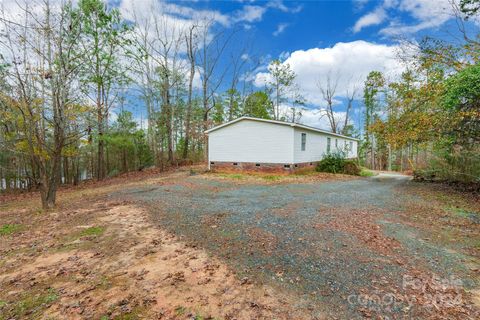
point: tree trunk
(66, 172)
(101, 142)
(191, 58)
(389, 158)
(372, 154)
(189, 111)
(124, 162)
(75, 172)
(168, 120)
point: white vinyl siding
(265, 142)
(316, 146)
(251, 141)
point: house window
(328, 145)
(304, 141)
(336, 143)
(351, 146)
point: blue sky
(341, 39)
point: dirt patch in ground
(105, 259)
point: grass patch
(8, 229)
(32, 305)
(271, 178)
(255, 175)
(128, 316)
(74, 241)
(465, 214)
(236, 176)
(180, 310)
(364, 172)
(104, 283)
(135, 314)
(459, 212)
(228, 234)
(92, 231)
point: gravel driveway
(351, 248)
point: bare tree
(463, 12)
(328, 89)
(213, 45)
(191, 46)
(159, 40)
(351, 95)
(166, 47)
(142, 68)
(238, 61)
(297, 104)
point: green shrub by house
(351, 167)
(336, 163)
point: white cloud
(370, 19)
(352, 61)
(425, 14)
(284, 55)
(14, 10)
(359, 4)
(177, 14)
(312, 117)
(315, 119)
(280, 28)
(250, 13)
(279, 5)
(254, 13)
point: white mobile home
(253, 143)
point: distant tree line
(429, 119)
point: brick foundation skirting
(260, 167)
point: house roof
(283, 123)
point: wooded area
(429, 120)
(65, 69)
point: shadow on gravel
(331, 242)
